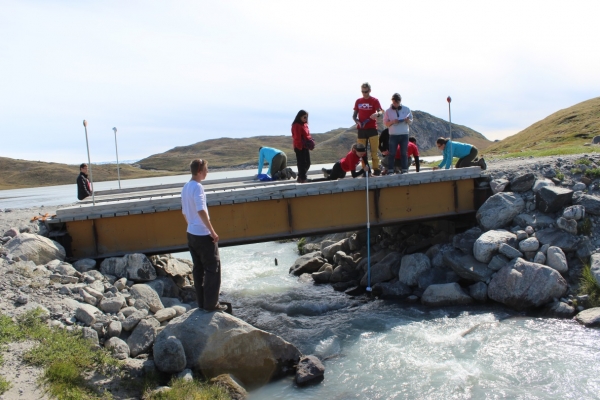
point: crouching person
(347, 164)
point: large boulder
(488, 244)
(142, 337)
(384, 270)
(392, 290)
(169, 355)
(465, 241)
(556, 259)
(136, 267)
(169, 265)
(215, 343)
(36, 248)
(411, 267)
(141, 291)
(522, 183)
(310, 370)
(595, 267)
(448, 294)
(329, 251)
(589, 202)
(522, 285)
(307, 264)
(589, 317)
(499, 210)
(467, 267)
(119, 348)
(552, 198)
(556, 237)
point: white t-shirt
(193, 200)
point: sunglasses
(365, 91)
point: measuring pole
(368, 234)
(89, 162)
(117, 150)
(449, 99)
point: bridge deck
(149, 220)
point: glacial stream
(387, 350)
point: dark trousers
(207, 270)
(467, 161)
(303, 159)
(278, 163)
(336, 172)
(401, 140)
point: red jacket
(351, 160)
(300, 132)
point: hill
(331, 146)
(564, 132)
(22, 174)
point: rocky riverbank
(526, 250)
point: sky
(169, 74)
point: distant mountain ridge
(331, 145)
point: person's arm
(261, 161)
(409, 118)
(417, 163)
(355, 118)
(204, 217)
(82, 181)
(387, 121)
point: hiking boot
(219, 307)
(325, 173)
(299, 180)
(482, 164)
(376, 172)
(292, 173)
(404, 171)
(384, 171)
(275, 176)
(285, 174)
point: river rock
(329, 251)
(556, 259)
(310, 370)
(392, 290)
(84, 265)
(165, 314)
(591, 203)
(498, 261)
(551, 198)
(36, 248)
(576, 212)
(234, 389)
(448, 294)
(119, 348)
(136, 267)
(498, 185)
(478, 291)
(467, 266)
(143, 336)
(530, 244)
(465, 241)
(558, 309)
(522, 284)
(172, 266)
(66, 269)
(112, 305)
(535, 221)
(589, 317)
(595, 267)
(585, 248)
(384, 270)
(435, 276)
(499, 210)
(324, 274)
(411, 267)
(307, 264)
(90, 335)
(540, 258)
(114, 329)
(488, 244)
(216, 343)
(132, 320)
(345, 273)
(509, 251)
(86, 313)
(556, 237)
(148, 295)
(540, 183)
(567, 225)
(169, 355)
(522, 183)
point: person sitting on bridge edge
(84, 187)
(465, 152)
(357, 153)
(202, 240)
(413, 152)
(277, 163)
(301, 135)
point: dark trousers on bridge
(467, 161)
(303, 162)
(207, 270)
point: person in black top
(84, 187)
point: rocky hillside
(331, 146)
(566, 130)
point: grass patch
(301, 244)
(589, 286)
(593, 173)
(575, 171)
(4, 385)
(583, 161)
(559, 175)
(64, 356)
(189, 390)
(585, 227)
(558, 151)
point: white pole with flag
(87, 143)
(449, 99)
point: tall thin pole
(368, 236)
(449, 99)
(87, 143)
(117, 150)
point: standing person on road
(202, 240)
(84, 187)
(397, 118)
(366, 111)
(301, 134)
(465, 152)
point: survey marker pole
(117, 150)
(449, 99)
(89, 162)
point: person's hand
(214, 236)
(374, 116)
(385, 153)
(407, 120)
(434, 168)
(358, 125)
(395, 121)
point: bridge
(149, 219)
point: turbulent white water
(386, 350)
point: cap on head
(397, 97)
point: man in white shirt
(397, 119)
(202, 239)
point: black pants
(467, 161)
(207, 270)
(336, 172)
(303, 159)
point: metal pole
(368, 234)
(89, 162)
(117, 150)
(449, 99)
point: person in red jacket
(357, 153)
(301, 133)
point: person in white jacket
(397, 119)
